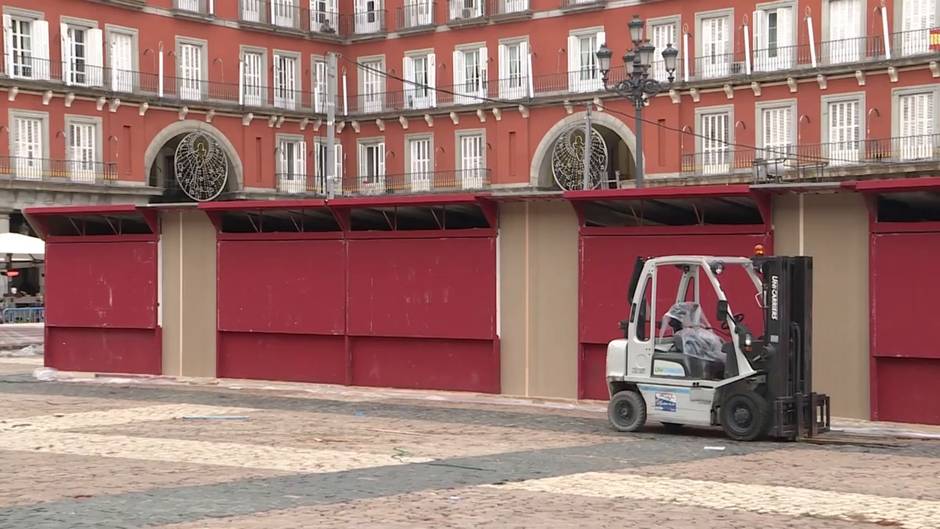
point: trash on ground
(216, 417)
(45, 374)
(716, 448)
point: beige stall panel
(833, 229)
(538, 267)
(189, 300)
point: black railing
(365, 23)
(579, 4)
(59, 171)
(500, 8)
(416, 15)
(462, 11)
(200, 7)
(418, 182)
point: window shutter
(66, 44)
(94, 53)
(595, 74)
(283, 159)
(338, 161)
(300, 158)
(460, 75)
(241, 81)
(408, 67)
(8, 45)
(484, 72)
(380, 170)
(574, 61)
(524, 61)
(785, 37)
(432, 78)
(273, 6)
(41, 48)
(502, 73)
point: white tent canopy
(22, 247)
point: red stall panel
(905, 339)
(101, 284)
(606, 267)
(100, 350)
(272, 356)
(293, 286)
(438, 288)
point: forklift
(689, 374)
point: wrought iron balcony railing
(415, 15)
(58, 171)
(418, 182)
(465, 11)
(506, 8)
(199, 7)
(291, 15)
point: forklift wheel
(627, 411)
(745, 416)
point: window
(320, 158)
(82, 55)
(82, 151)
(190, 71)
(292, 164)
(285, 81)
(845, 42)
(368, 17)
(776, 130)
(471, 159)
(469, 74)
(514, 69)
(420, 75)
(715, 46)
(26, 47)
(662, 34)
(371, 85)
(188, 5)
(417, 13)
(372, 166)
(324, 16)
(515, 6)
(773, 39)
(715, 151)
(916, 125)
(843, 131)
(251, 10)
(122, 51)
(28, 133)
(320, 88)
(285, 13)
(420, 165)
(917, 19)
(466, 9)
(253, 78)
(582, 61)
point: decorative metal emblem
(568, 159)
(201, 167)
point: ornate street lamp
(636, 84)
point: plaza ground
(120, 453)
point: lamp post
(636, 84)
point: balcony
(464, 12)
(289, 15)
(57, 171)
(416, 17)
(365, 23)
(499, 10)
(816, 160)
(420, 182)
(582, 5)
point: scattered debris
(23, 352)
(45, 374)
(715, 448)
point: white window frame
(714, 63)
(285, 13)
(291, 163)
(471, 169)
(319, 79)
(286, 93)
(251, 11)
(372, 84)
(418, 13)
(84, 162)
(19, 62)
(658, 68)
(513, 82)
(253, 92)
(465, 9)
(584, 77)
(189, 88)
(324, 16)
(319, 169)
(373, 183)
(839, 150)
(912, 37)
(781, 150)
(419, 96)
(470, 91)
(843, 42)
(33, 167)
(779, 54)
(921, 146)
(88, 69)
(367, 16)
(420, 171)
(122, 79)
(713, 158)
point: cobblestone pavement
(83, 454)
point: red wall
(101, 308)
(905, 338)
(603, 303)
(402, 312)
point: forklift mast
(788, 347)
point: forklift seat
(694, 367)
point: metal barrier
(24, 315)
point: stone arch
(190, 125)
(598, 119)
